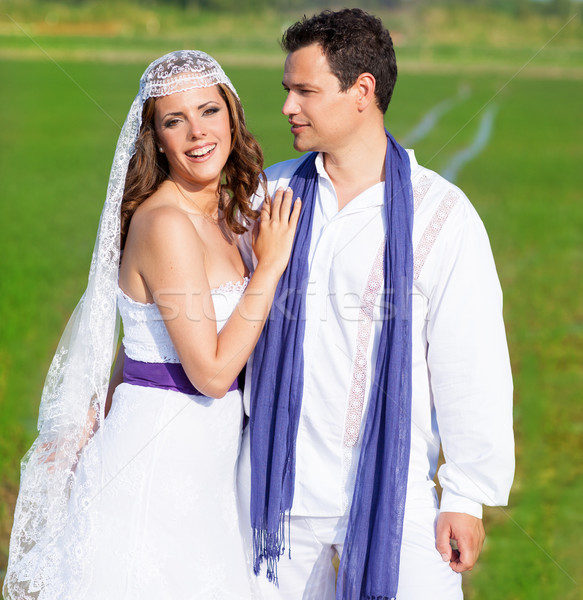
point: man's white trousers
(315, 541)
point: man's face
(321, 116)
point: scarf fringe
(269, 547)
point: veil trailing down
(106, 506)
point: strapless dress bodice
(146, 338)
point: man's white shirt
(462, 383)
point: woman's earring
(161, 149)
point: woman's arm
(116, 378)
(172, 265)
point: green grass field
(58, 128)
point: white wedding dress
(165, 525)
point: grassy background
(59, 120)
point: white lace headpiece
(52, 503)
(181, 71)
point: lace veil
(52, 502)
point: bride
(137, 500)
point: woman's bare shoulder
(160, 219)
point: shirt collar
(363, 201)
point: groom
(385, 342)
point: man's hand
(468, 533)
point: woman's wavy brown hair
(242, 173)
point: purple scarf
(369, 568)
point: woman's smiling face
(194, 130)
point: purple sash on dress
(164, 376)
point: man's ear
(364, 87)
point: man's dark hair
(353, 42)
